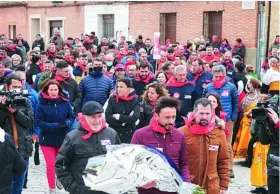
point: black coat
(146, 114)
(39, 44)
(126, 124)
(266, 139)
(239, 76)
(74, 154)
(24, 117)
(11, 163)
(33, 70)
(140, 86)
(240, 51)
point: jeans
(18, 180)
(50, 154)
(273, 184)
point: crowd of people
(194, 104)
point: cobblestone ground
(37, 181)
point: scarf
(51, 55)
(85, 125)
(41, 67)
(174, 83)
(171, 58)
(12, 47)
(46, 96)
(239, 44)
(59, 78)
(156, 126)
(146, 80)
(197, 129)
(218, 84)
(83, 68)
(129, 98)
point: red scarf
(156, 127)
(174, 83)
(85, 125)
(129, 98)
(12, 47)
(50, 55)
(239, 44)
(107, 74)
(128, 63)
(218, 84)
(211, 58)
(121, 56)
(160, 63)
(59, 78)
(41, 67)
(197, 129)
(171, 58)
(83, 67)
(46, 96)
(146, 80)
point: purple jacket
(223, 48)
(173, 145)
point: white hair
(180, 68)
(219, 68)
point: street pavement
(37, 179)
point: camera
(13, 96)
(260, 113)
(273, 161)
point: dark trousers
(273, 184)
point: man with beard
(210, 57)
(207, 149)
(143, 78)
(199, 76)
(228, 64)
(229, 101)
(131, 52)
(4, 58)
(162, 134)
(57, 39)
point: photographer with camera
(267, 120)
(17, 118)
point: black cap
(92, 108)
(131, 46)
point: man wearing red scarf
(212, 150)
(90, 139)
(210, 57)
(143, 78)
(199, 76)
(228, 64)
(161, 61)
(179, 87)
(80, 67)
(12, 49)
(162, 134)
(229, 101)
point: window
(168, 27)
(212, 24)
(12, 31)
(108, 26)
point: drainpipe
(260, 48)
(268, 27)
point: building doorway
(56, 25)
(12, 31)
(212, 24)
(168, 23)
(35, 28)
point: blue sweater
(201, 82)
(229, 98)
(96, 87)
(49, 113)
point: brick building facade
(235, 22)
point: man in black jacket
(79, 145)
(11, 162)
(273, 139)
(16, 119)
(24, 42)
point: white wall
(93, 21)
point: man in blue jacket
(180, 88)
(200, 77)
(229, 99)
(96, 86)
